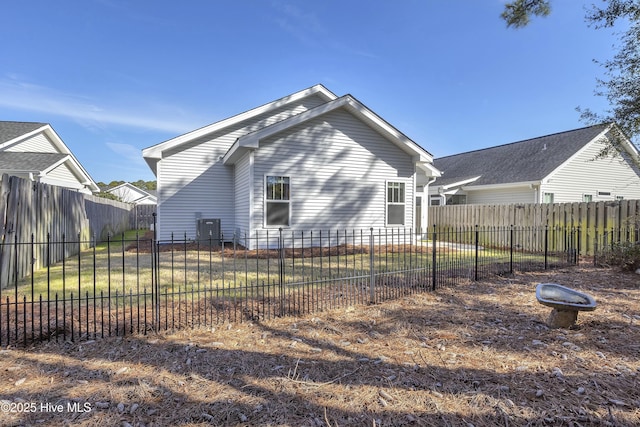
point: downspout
(425, 214)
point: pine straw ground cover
(479, 354)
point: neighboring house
(559, 168)
(308, 161)
(129, 193)
(34, 151)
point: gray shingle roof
(11, 130)
(19, 161)
(523, 161)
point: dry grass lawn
(479, 354)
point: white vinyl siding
(243, 192)
(192, 178)
(501, 196)
(38, 143)
(584, 174)
(62, 173)
(340, 167)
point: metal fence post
(372, 272)
(155, 282)
(477, 237)
(546, 246)
(281, 270)
(511, 250)
(433, 259)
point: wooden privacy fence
(594, 221)
(39, 212)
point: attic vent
(544, 147)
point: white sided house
(34, 151)
(129, 193)
(559, 168)
(308, 161)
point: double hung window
(395, 203)
(278, 201)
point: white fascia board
(126, 184)
(155, 152)
(57, 141)
(626, 143)
(577, 153)
(24, 136)
(500, 186)
(56, 164)
(131, 187)
(86, 179)
(460, 183)
(252, 140)
(393, 134)
(429, 169)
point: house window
(395, 203)
(604, 193)
(278, 201)
(587, 197)
(457, 199)
(619, 197)
(548, 198)
(435, 200)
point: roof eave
(155, 152)
(529, 184)
(429, 169)
(252, 141)
(25, 136)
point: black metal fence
(133, 284)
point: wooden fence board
(593, 219)
(39, 212)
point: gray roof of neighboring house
(19, 161)
(11, 130)
(524, 161)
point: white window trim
(265, 201)
(439, 197)
(407, 195)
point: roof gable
(10, 131)
(154, 153)
(13, 134)
(131, 194)
(524, 161)
(252, 140)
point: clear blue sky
(115, 76)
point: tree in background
(518, 13)
(621, 88)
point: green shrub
(624, 255)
